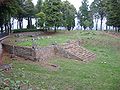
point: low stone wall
(24, 52)
(41, 53)
(8, 48)
(71, 50)
(36, 54)
(61, 50)
(28, 34)
(45, 53)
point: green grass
(100, 74)
(60, 37)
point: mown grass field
(100, 74)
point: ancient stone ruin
(71, 50)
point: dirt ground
(8, 59)
(113, 34)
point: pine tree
(113, 13)
(84, 15)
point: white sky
(76, 3)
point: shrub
(26, 30)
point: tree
(20, 13)
(94, 9)
(98, 9)
(91, 22)
(41, 19)
(113, 13)
(39, 6)
(7, 9)
(84, 15)
(69, 12)
(29, 12)
(101, 12)
(52, 10)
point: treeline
(98, 10)
(48, 14)
(51, 14)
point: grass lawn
(100, 74)
(59, 37)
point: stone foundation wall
(38, 53)
(63, 53)
(71, 50)
(24, 52)
(45, 53)
(8, 48)
(61, 50)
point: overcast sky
(76, 3)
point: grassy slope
(100, 74)
(59, 37)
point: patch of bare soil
(113, 34)
(8, 59)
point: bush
(31, 27)
(26, 30)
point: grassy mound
(100, 74)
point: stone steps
(79, 52)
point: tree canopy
(113, 13)
(56, 13)
(69, 12)
(84, 15)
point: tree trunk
(101, 23)
(106, 27)
(113, 28)
(118, 29)
(55, 29)
(17, 25)
(29, 23)
(96, 21)
(5, 27)
(20, 24)
(84, 27)
(10, 29)
(109, 27)
(96, 26)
